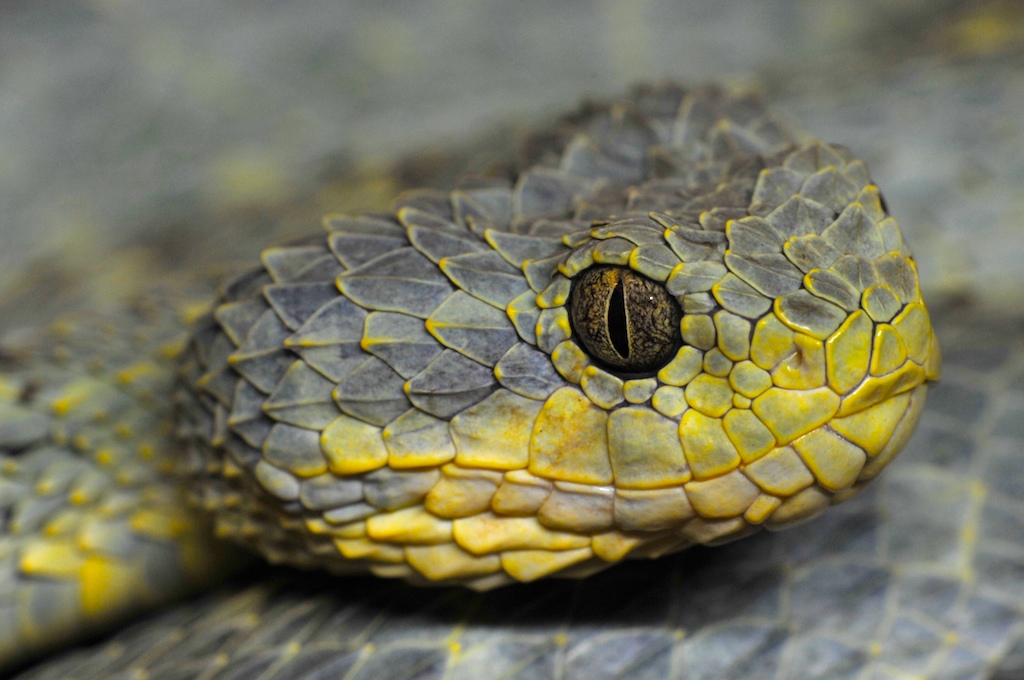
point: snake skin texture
(342, 403)
(917, 577)
(94, 525)
(407, 394)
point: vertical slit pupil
(617, 331)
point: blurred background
(137, 135)
(139, 138)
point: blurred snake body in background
(674, 323)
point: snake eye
(624, 319)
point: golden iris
(624, 319)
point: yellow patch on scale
(780, 472)
(914, 327)
(613, 546)
(52, 558)
(462, 492)
(749, 380)
(684, 367)
(495, 433)
(644, 450)
(761, 509)
(139, 372)
(791, 413)
(750, 436)
(804, 369)
(722, 497)
(872, 428)
(707, 447)
(412, 525)
(352, 446)
(773, 342)
(109, 586)
(710, 395)
(889, 352)
(569, 441)
(449, 561)
(848, 352)
(530, 565)
(364, 548)
(877, 389)
(833, 461)
(158, 523)
(489, 533)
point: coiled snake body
(675, 325)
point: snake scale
(674, 324)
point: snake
(673, 322)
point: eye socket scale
(624, 319)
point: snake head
(687, 328)
(797, 368)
